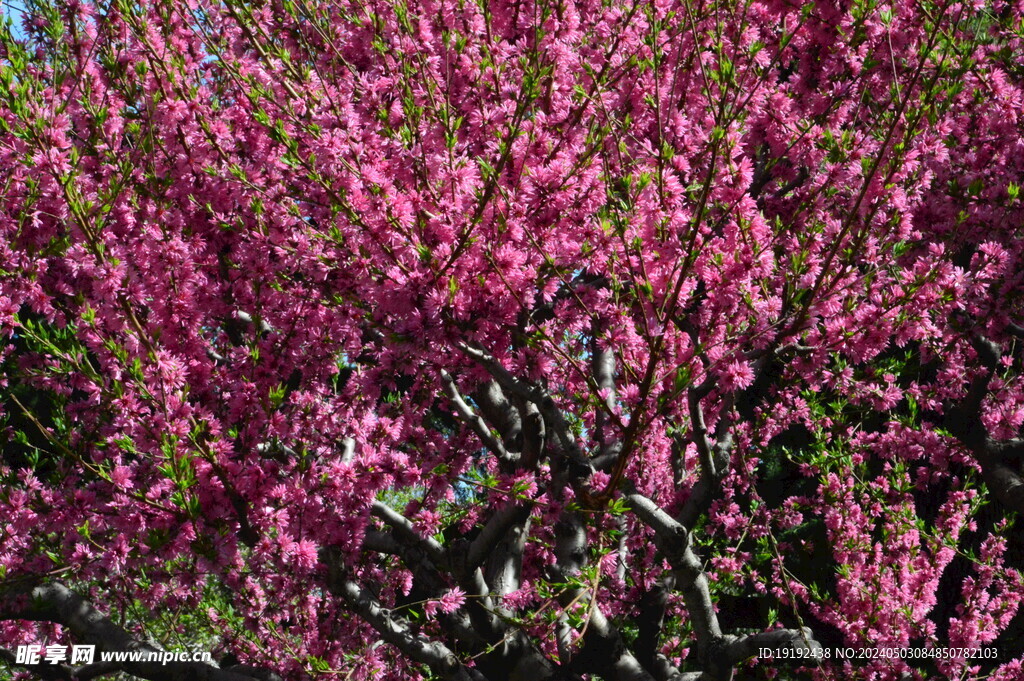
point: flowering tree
(513, 339)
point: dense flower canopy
(514, 339)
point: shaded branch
(673, 539)
(55, 603)
(404, 531)
(746, 647)
(397, 632)
(649, 621)
(381, 542)
(496, 530)
(474, 421)
(705, 447)
(999, 460)
(602, 364)
(580, 468)
(717, 653)
(505, 563)
(500, 413)
(534, 435)
(714, 456)
(604, 651)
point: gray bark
(54, 602)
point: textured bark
(56, 603)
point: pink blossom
(451, 601)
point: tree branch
(717, 653)
(746, 647)
(404, 531)
(501, 413)
(673, 539)
(493, 533)
(472, 419)
(604, 651)
(56, 603)
(580, 466)
(603, 367)
(965, 423)
(397, 632)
